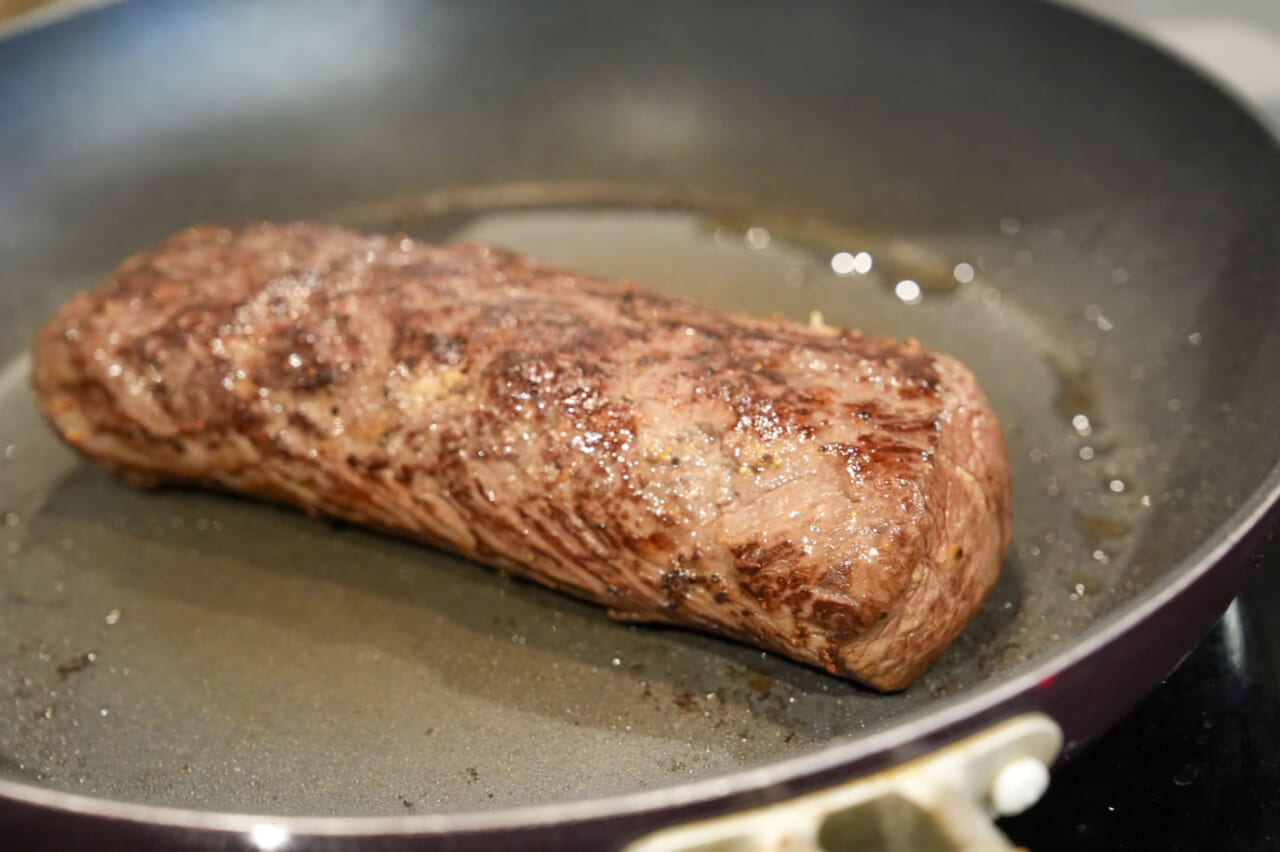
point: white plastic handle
(943, 802)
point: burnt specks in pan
(685, 701)
(77, 664)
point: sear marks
(806, 490)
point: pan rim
(846, 760)
(1104, 16)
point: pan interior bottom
(203, 651)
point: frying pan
(1089, 225)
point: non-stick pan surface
(1089, 226)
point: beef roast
(838, 498)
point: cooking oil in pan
(198, 650)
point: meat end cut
(838, 498)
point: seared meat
(837, 498)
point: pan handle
(943, 802)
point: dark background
(1197, 765)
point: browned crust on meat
(837, 498)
